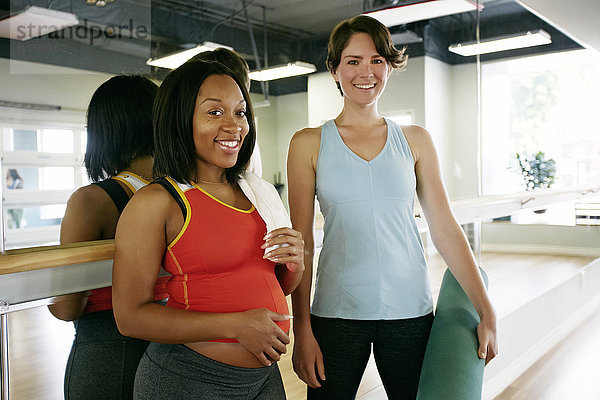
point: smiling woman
(372, 282)
(223, 235)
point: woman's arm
(449, 238)
(89, 212)
(147, 222)
(302, 159)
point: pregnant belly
(227, 353)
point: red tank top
(216, 260)
(101, 299)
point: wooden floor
(569, 371)
(39, 343)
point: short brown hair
(379, 33)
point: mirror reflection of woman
(118, 159)
(372, 284)
(14, 216)
(215, 228)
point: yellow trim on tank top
(188, 213)
(219, 201)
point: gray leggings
(102, 362)
(174, 371)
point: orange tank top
(216, 261)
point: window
(544, 103)
(42, 166)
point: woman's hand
(308, 360)
(285, 246)
(488, 346)
(260, 335)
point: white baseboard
(509, 374)
(541, 249)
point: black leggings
(398, 347)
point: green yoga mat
(451, 368)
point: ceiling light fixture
(282, 71)
(421, 11)
(502, 43)
(174, 60)
(35, 21)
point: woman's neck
(358, 115)
(209, 173)
(142, 166)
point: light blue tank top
(372, 265)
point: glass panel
(52, 211)
(34, 216)
(83, 141)
(24, 140)
(57, 178)
(57, 141)
(22, 178)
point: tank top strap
(133, 181)
(398, 139)
(176, 190)
(117, 194)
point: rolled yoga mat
(451, 368)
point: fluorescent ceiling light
(509, 42)
(174, 60)
(421, 11)
(35, 21)
(282, 71)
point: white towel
(266, 200)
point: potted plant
(538, 171)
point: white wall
(292, 115)
(276, 125)
(266, 133)
(438, 110)
(462, 180)
(28, 82)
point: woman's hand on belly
(257, 331)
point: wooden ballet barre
(34, 258)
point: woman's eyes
(241, 113)
(374, 61)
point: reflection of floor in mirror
(39, 343)
(39, 347)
